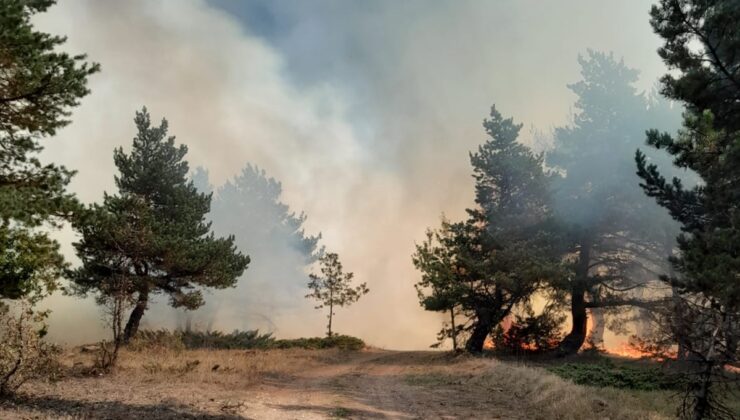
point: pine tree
(615, 234)
(153, 233)
(333, 287)
(252, 202)
(38, 87)
(251, 206)
(439, 289)
(702, 45)
(488, 265)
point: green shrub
(252, 339)
(342, 342)
(529, 333)
(608, 374)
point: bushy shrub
(252, 339)
(606, 373)
(529, 333)
(24, 355)
(341, 342)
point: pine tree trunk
(577, 335)
(454, 329)
(331, 312)
(579, 316)
(331, 309)
(701, 397)
(132, 326)
(483, 326)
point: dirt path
(380, 384)
(368, 384)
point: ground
(316, 384)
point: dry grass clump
(24, 355)
(543, 395)
(221, 367)
(551, 397)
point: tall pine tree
(614, 232)
(38, 87)
(702, 45)
(153, 233)
(488, 265)
(251, 206)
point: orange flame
(630, 351)
(488, 344)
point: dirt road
(366, 384)
(382, 385)
(317, 384)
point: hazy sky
(365, 110)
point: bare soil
(288, 384)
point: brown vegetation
(292, 383)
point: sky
(364, 110)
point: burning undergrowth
(527, 334)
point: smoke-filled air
(369, 209)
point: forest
(622, 223)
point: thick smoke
(273, 289)
(364, 110)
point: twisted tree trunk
(132, 326)
(483, 326)
(579, 316)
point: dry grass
(550, 397)
(543, 395)
(231, 368)
(290, 383)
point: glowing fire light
(630, 351)
(488, 344)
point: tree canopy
(251, 207)
(701, 40)
(38, 88)
(333, 287)
(617, 237)
(484, 267)
(153, 233)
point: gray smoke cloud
(365, 111)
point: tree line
(591, 225)
(596, 223)
(152, 236)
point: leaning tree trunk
(132, 326)
(598, 326)
(483, 326)
(579, 316)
